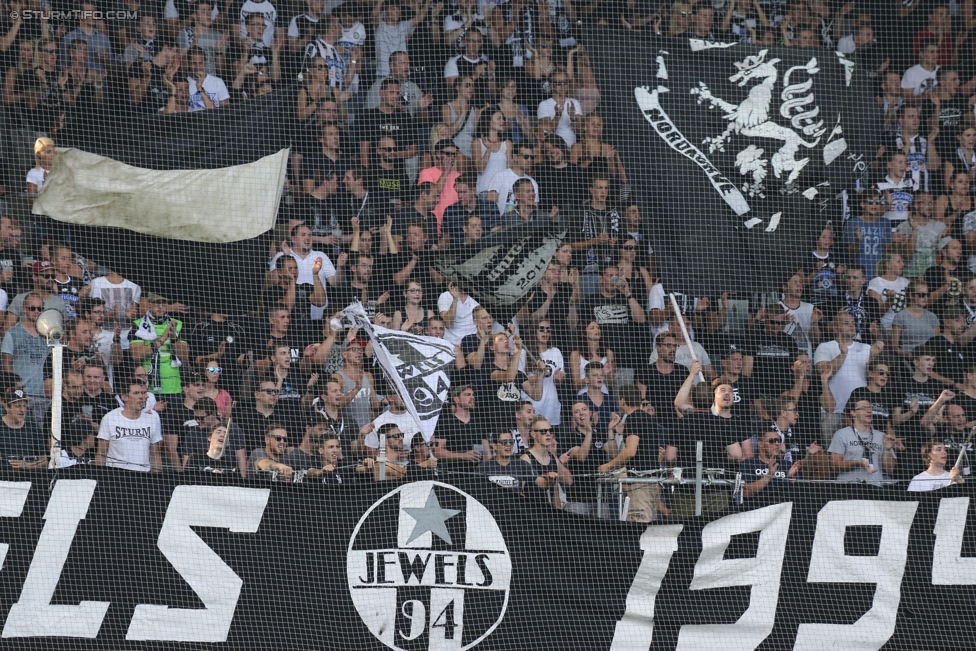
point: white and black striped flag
(416, 366)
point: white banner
(202, 205)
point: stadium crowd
(428, 124)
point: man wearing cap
(21, 442)
(23, 352)
(159, 348)
(129, 437)
(44, 286)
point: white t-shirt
(852, 374)
(36, 176)
(919, 79)
(213, 86)
(549, 406)
(270, 14)
(129, 440)
(923, 481)
(564, 129)
(504, 183)
(117, 299)
(451, 68)
(170, 10)
(803, 317)
(305, 274)
(463, 323)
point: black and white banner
(105, 559)
(502, 267)
(417, 366)
(196, 190)
(737, 151)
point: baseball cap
(42, 265)
(156, 298)
(13, 394)
(358, 341)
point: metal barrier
(669, 477)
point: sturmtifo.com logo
(428, 569)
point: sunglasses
(394, 436)
(386, 149)
(543, 328)
(879, 372)
(34, 308)
(506, 442)
(776, 440)
(279, 439)
(545, 430)
(214, 369)
(272, 392)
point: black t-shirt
(76, 425)
(69, 291)
(910, 460)
(590, 224)
(302, 325)
(390, 186)
(864, 309)
(584, 488)
(398, 125)
(345, 295)
(935, 278)
(156, 94)
(651, 438)
(100, 404)
(613, 316)
(773, 356)
(715, 433)
(25, 442)
(662, 389)
(459, 436)
(253, 423)
(952, 360)
(200, 462)
(558, 187)
(499, 399)
(206, 336)
(882, 405)
(12, 260)
(68, 357)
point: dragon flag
(735, 148)
(416, 366)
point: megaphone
(50, 325)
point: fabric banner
(219, 205)
(107, 559)
(733, 148)
(502, 267)
(243, 133)
(417, 366)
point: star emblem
(431, 518)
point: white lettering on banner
(227, 507)
(636, 628)
(33, 614)
(829, 564)
(948, 565)
(13, 495)
(762, 572)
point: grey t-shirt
(257, 454)
(925, 246)
(915, 331)
(852, 445)
(29, 353)
(298, 460)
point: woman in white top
(590, 349)
(44, 157)
(549, 405)
(887, 283)
(935, 476)
(490, 151)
